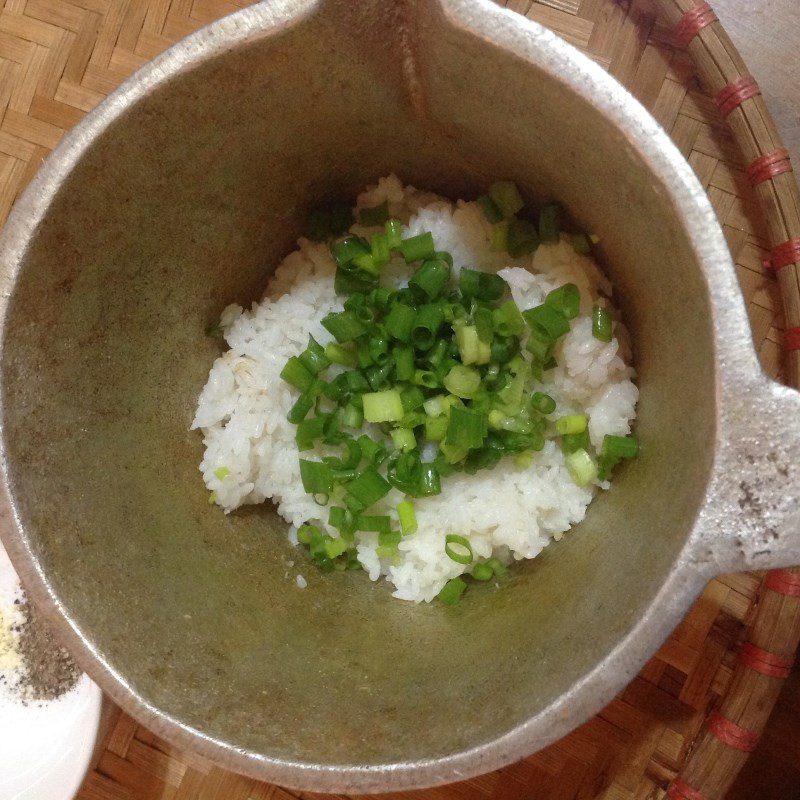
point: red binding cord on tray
(680, 790)
(731, 734)
(768, 166)
(784, 254)
(791, 341)
(780, 580)
(734, 94)
(692, 22)
(764, 662)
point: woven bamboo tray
(59, 58)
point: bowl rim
(579, 74)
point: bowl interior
(185, 204)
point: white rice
(506, 512)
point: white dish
(45, 748)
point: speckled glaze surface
(179, 195)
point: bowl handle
(752, 518)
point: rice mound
(506, 512)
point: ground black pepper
(47, 670)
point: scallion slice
(602, 324)
(385, 406)
(418, 248)
(462, 381)
(581, 466)
(344, 326)
(316, 477)
(407, 517)
(458, 548)
(506, 197)
(466, 428)
(573, 423)
(451, 592)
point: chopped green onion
(547, 320)
(426, 325)
(418, 248)
(404, 439)
(615, 448)
(522, 238)
(506, 197)
(484, 323)
(462, 381)
(346, 250)
(373, 524)
(352, 416)
(308, 431)
(334, 547)
(472, 349)
(303, 404)
(570, 442)
(426, 378)
(400, 322)
(366, 263)
(337, 354)
(386, 406)
(346, 283)
(394, 230)
(602, 324)
(523, 460)
(403, 362)
(619, 446)
(508, 320)
(574, 423)
(543, 403)
(451, 592)
(378, 349)
(498, 567)
(540, 345)
(373, 451)
(581, 244)
(458, 548)
(482, 572)
(467, 428)
(379, 245)
(486, 286)
(344, 326)
(367, 488)
(549, 226)
(431, 278)
(436, 428)
(407, 517)
(341, 519)
(490, 209)
(499, 239)
(378, 377)
(316, 477)
(437, 353)
(376, 215)
(567, 299)
(435, 406)
(581, 467)
(428, 483)
(295, 374)
(313, 358)
(220, 473)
